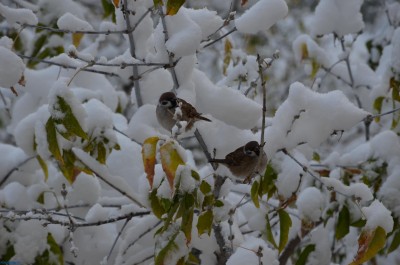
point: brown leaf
(243, 2)
(116, 3)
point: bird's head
(168, 100)
(252, 148)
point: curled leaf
(170, 160)
(149, 157)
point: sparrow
(245, 161)
(168, 116)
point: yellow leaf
(149, 157)
(173, 6)
(369, 244)
(228, 55)
(304, 51)
(76, 38)
(170, 160)
(116, 3)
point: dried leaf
(170, 160)
(149, 157)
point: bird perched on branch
(245, 161)
(171, 110)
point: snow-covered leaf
(254, 193)
(304, 255)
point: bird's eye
(249, 153)
(164, 103)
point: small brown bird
(167, 115)
(245, 161)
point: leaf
(68, 168)
(205, 187)
(76, 38)
(170, 160)
(204, 224)
(156, 205)
(52, 140)
(173, 6)
(101, 153)
(9, 253)
(285, 223)
(149, 149)
(378, 106)
(243, 2)
(187, 217)
(395, 243)
(267, 182)
(160, 256)
(116, 3)
(369, 244)
(69, 120)
(395, 86)
(343, 225)
(227, 55)
(304, 254)
(43, 165)
(158, 3)
(254, 194)
(316, 157)
(268, 231)
(304, 51)
(314, 68)
(40, 198)
(55, 249)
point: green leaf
(43, 165)
(395, 86)
(267, 182)
(268, 231)
(160, 256)
(316, 157)
(55, 249)
(156, 205)
(285, 223)
(69, 120)
(304, 254)
(218, 203)
(205, 188)
(173, 6)
(157, 3)
(40, 198)
(108, 8)
(378, 106)
(360, 223)
(68, 168)
(52, 140)
(395, 243)
(9, 253)
(254, 193)
(187, 216)
(205, 222)
(369, 244)
(343, 225)
(195, 175)
(37, 46)
(101, 153)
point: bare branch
(15, 168)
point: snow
(222, 103)
(18, 16)
(186, 182)
(184, 34)
(390, 190)
(73, 23)
(144, 123)
(289, 175)
(378, 215)
(261, 16)
(60, 90)
(314, 51)
(310, 117)
(310, 204)
(247, 253)
(395, 58)
(208, 21)
(337, 16)
(11, 69)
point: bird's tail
(203, 118)
(220, 161)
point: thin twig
(116, 239)
(140, 236)
(23, 162)
(170, 57)
(220, 38)
(135, 70)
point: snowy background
(89, 176)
